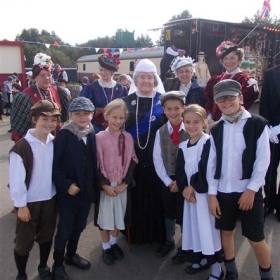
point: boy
(74, 172)
(238, 161)
(32, 189)
(168, 137)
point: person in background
(237, 165)
(167, 141)
(7, 95)
(75, 177)
(105, 89)
(201, 241)
(42, 89)
(144, 119)
(84, 83)
(32, 188)
(269, 109)
(230, 56)
(95, 77)
(63, 84)
(124, 80)
(116, 161)
(165, 63)
(184, 81)
(62, 74)
(29, 79)
(16, 77)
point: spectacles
(224, 98)
(44, 76)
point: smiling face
(145, 83)
(81, 118)
(194, 125)
(231, 62)
(115, 119)
(230, 107)
(173, 109)
(45, 124)
(185, 74)
(44, 79)
(105, 74)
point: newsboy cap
(174, 94)
(81, 104)
(227, 87)
(44, 107)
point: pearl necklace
(150, 122)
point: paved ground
(139, 263)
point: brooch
(133, 102)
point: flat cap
(227, 87)
(81, 104)
(45, 107)
(175, 94)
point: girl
(200, 238)
(116, 160)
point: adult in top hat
(144, 119)
(184, 69)
(104, 89)
(230, 56)
(41, 89)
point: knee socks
(21, 262)
(45, 249)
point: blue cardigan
(68, 168)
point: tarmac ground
(138, 264)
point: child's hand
(73, 189)
(173, 187)
(24, 214)
(246, 201)
(109, 190)
(189, 194)
(121, 188)
(214, 206)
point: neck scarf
(175, 134)
(75, 129)
(234, 118)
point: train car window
(84, 67)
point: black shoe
(164, 249)
(77, 261)
(10, 130)
(192, 270)
(117, 252)
(231, 276)
(58, 273)
(108, 256)
(45, 273)
(22, 277)
(217, 277)
(270, 278)
(278, 215)
(180, 257)
(7, 114)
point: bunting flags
(265, 10)
(113, 50)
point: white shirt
(157, 156)
(231, 171)
(41, 187)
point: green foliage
(274, 21)
(143, 41)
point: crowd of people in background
(150, 151)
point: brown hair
(240, 54)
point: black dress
(147, 220)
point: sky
(77, 22)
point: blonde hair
(116, 104)
(197, 109)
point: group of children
(199, 172)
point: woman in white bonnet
(184, 81)
(144, 119)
